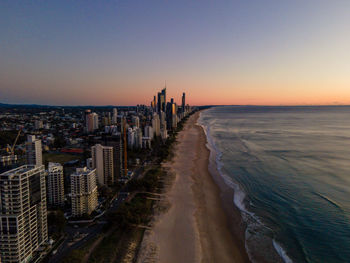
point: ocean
(290, 169)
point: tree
(74, 257)
(59, 142)
(106, 192)
(57, 221)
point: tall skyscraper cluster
(167, 114)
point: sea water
(290, 169)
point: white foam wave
(281, 252)
(239, 195)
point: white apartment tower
(131, 138)
(162, 118)
(23, 213)
(149, 131)
(33, 151)
(138, 138)
(102, 161)
(55, 185)
(156, 124)
(95, 121)
(83, 191)
(115, 116)
(91, 122)
(38, 124)
(135, 121)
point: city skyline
(222, 53)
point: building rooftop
(20, 170)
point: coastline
(243, 225)
(196, 227)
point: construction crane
(11, 149)
(125, 150)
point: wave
(281, 252)
(254, 224)
(329, 200)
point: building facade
(102, 161)
(156, 124)
(91, 119)
(33, 151)
(55, 185)
(23, 213)
(115, 116)
(83, 192)
(116, 141)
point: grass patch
(60, 157)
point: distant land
(24, 105)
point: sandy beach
(195, 228)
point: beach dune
(195, 228)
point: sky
(121, 52)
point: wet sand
(196, 227)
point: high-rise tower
(83, 191)
(161, 106)
(55, 185)
(23, 213)
(115, 116)
(33, 151)
(183, 102)
(102, 161)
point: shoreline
(260, 250)
(196, 227)
(237, 225)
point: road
(93, 230)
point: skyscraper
(83, 191)
(91, 121)
(23, 213)
(154, 103)
(116, 141)
(149, 132)
(33, 151)
(135, 121)
(95, 121)
(171, 114)
(55, 185)
(159, 103)
(115, 116)
(102, 161)
(38, 124)
(131, 138)
(156, 124)
(86, 116)
(183, 105)
(162, 117)
(161, 106)
(138, 138)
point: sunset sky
(219, 52)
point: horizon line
(204, 105)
